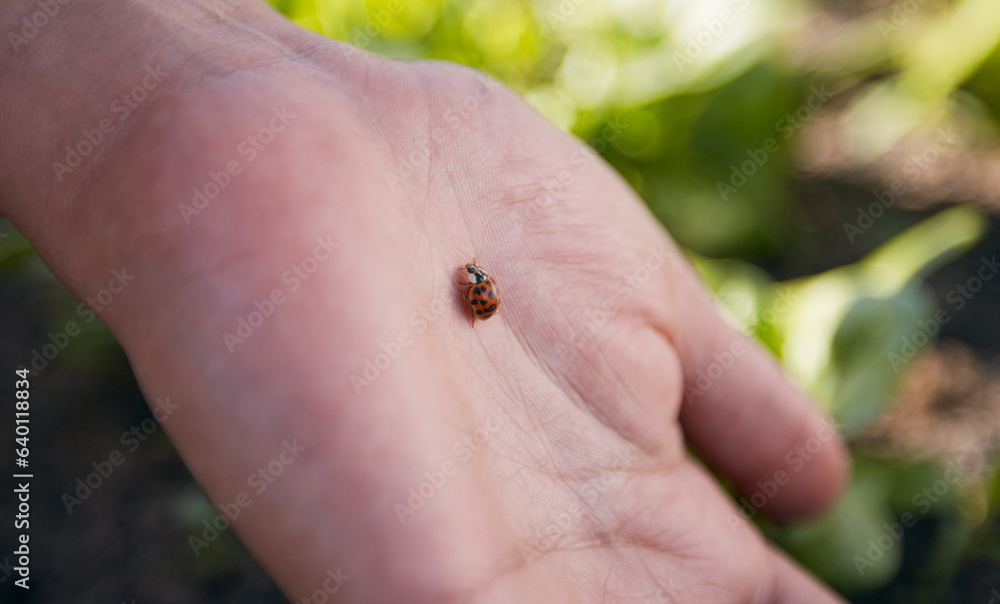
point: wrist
(87, 79)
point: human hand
(551, 438)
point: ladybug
(483, 294)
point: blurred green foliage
(843, 335)
(712, 98)
(701, 86)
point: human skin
(551, 437)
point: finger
(685, 513)
(750, 423)
(790, 584)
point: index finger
(751, 424)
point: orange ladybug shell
(483, 294)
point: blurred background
(830, 167)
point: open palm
(305, 214)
